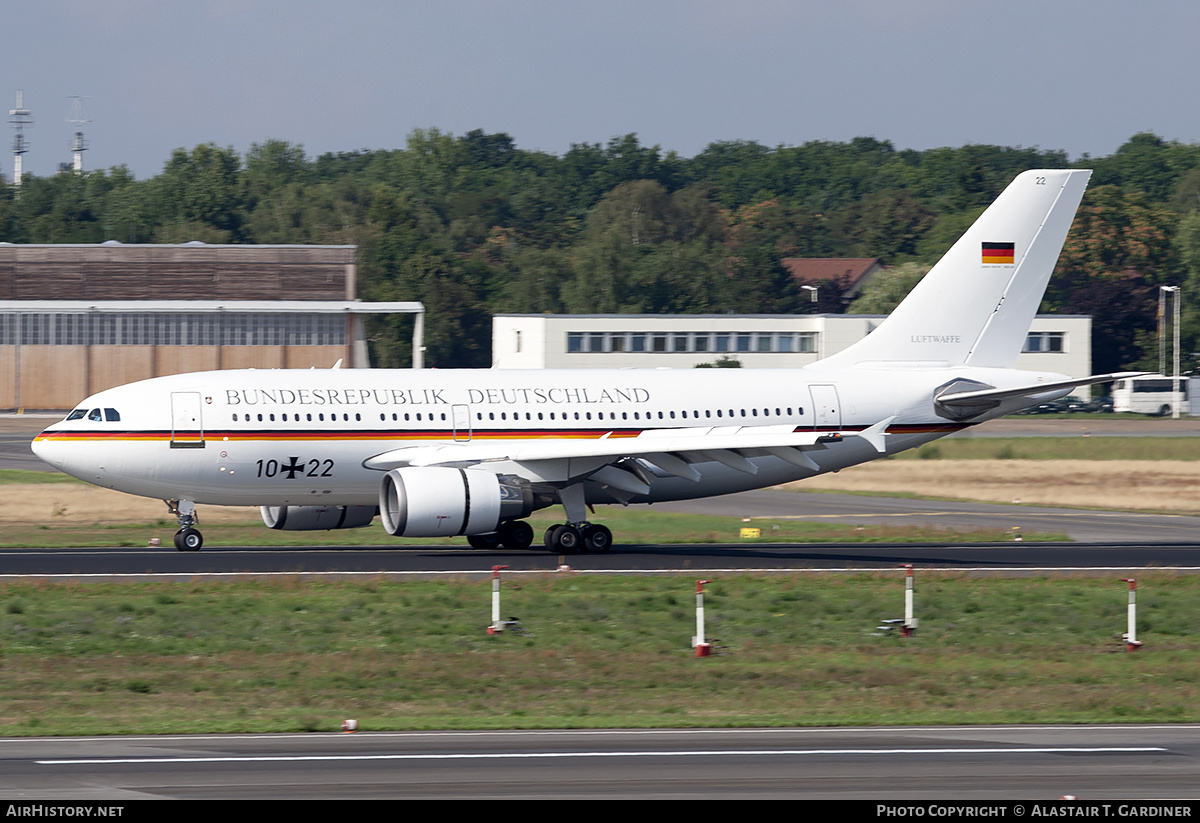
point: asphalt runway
(1011, 559)
(985, 763)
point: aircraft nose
(50, 451)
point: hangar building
(77, 319)
(1056, 342)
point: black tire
(562, 539)
(188, 540)
(491, 540)
(597, 538)
(567, 540)
(516, 535)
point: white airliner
(474, 452)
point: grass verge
(1057, 448)
(795, 650)
(635, 526)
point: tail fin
(976, 305)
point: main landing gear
(564, 538)
(569, 538)
(512, 534)
(577, 535)
(188, 538)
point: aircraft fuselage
(300, 437)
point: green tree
(888, 225)
(1143, 164)
(626, 224)
(887, 288)
(759, 284)
(199, 196)
(1119, 250)
(1187, 243)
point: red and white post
(703, 649)
(910, 623)
(1132, 644)
(497, 626)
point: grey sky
(1078, 76)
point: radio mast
(77, 118)
(19, 118)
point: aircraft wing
(671, 450)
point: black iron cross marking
(292, 467)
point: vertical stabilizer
(976, 305)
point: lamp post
(1163, 291)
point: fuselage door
(187, 424)
(462, 422)
(827, 412)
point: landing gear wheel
(188, 540)
(597, 538)
(563, 539)
(516, 535)
(491, 540)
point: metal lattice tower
(78, 117)
(19, 118)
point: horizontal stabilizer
(1036, 388)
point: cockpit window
(77, 414)
(94, 414)
(111, 415)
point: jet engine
(314, 518)
(437, 501)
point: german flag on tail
(998, 254)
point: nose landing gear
(188, 538)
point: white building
(1057, 343)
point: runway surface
(1031, 763)
(216, 562)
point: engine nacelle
(314, 518)
(437, 501)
